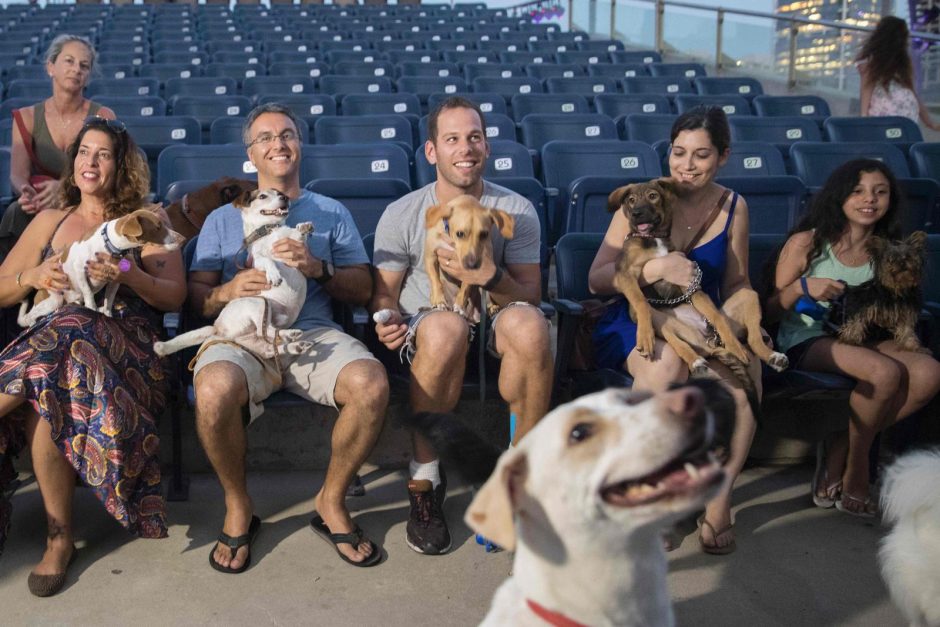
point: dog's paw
(298, 348)
(457, 309)
(275, 279)
(441, 306)
(160, 349)
(737, 349)
(645, 341)
(291, 335)
(700, 370)
(778, 361)
(305, 228)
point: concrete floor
(795, 564)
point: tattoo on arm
(161, 264)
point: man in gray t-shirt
(437, 340)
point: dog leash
(253, 237)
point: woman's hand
(824, 289)
(106, 269)
(675, 268)
(47, 276)
(47, 193)
(27, 200)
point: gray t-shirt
(400, 235)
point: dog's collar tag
(552, 617)
(113, 250)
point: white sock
(429, 471)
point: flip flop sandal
(866, 504)
(821, 477)
(714, 549)
(353, 539)
(234, 544)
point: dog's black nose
(471, 263)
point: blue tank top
(615, 333)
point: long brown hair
(131, 175)
(886, 54)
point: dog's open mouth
(686, 475)
(645, 229)
(277, 211)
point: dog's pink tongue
(644, 229)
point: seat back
(814, 161)
(488, 102)
(720, 85)
(687, 70)
(383, 160)
(587, 86)
(278, 85)
(805, 105)
(123, 87)
(774, 202)
(507, 87)
(378, 104)
(588, 212)
(339, 86)
(891, 129)
(921, 207)
(123, 106)
(648, 128)
(363, 129)
(366, 199)
(524, 104)
(731, 104)
(781, 131)
(507, 158)
(617, 105)
(925, 159)
(574, 254)
(208, 108)
(753, 159)
(540, 128)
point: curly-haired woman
(79, 388)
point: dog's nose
(471, 263)
(686, 403)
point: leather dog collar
(258, 233)
(113, 250)
(552, 617)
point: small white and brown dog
(116, 237)
(585, 496)
(910, 553)
(260, 323)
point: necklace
(63, 122)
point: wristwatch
(326, 273)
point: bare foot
(719, 532)
(237, 522)
(338, 520)
(59, 551)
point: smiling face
(459, 151)
(275, 150)
(694, 160)
(95, 166)
(72, 68)
(868, 201)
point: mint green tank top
(796, 328)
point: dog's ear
(669, 186)
(435, 214)
(492, 512)
(616, 198)
(504, 222)
(244, 199)
(132, 226)
(230, 191)
(876, 246)
(918, 240)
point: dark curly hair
(712, 119)
(886, 54)
(131, 175)
(826, 217)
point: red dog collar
(551, 617)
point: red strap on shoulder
(28, 144)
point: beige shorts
(311, 376)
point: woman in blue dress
(700, 145)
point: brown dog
(189, 213)
(468, 223)
(648, 209)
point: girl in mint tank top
(860, 200)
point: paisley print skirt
(99, 385)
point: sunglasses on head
(96, 120)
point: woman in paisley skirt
(81, 389)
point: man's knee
(363, 383)
(522, 331)
(220, 388)
(444, 335)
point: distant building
(821, 51)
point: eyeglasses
(266, 139)
(96, 120)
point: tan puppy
(468, 224)
(117, 237)
(648, 209)
(188, 214)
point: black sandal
(234, 544)
(353, 539)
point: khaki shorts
(311, 376)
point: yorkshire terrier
(888, 305)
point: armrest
(569, 318)
(171, 323)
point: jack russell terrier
(115, 237)
(259, 323)
(585, 496)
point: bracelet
(492, 283)
(19, 275)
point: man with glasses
(338, 370)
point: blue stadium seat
(587, 86)
(208, 108)
(760, 159)
(354, 68)
(208, 162)
(366, 199)
(277, 86)
(781, 131)
(470, 56)
(563, 162)
(722, 85)
(901, 131)
(507, 158)
(384, 160)
(687, 70)
(377, 104)
(774, 202)
(648, 128)
(635, 56)
(608, 45)
(199, 86)
(489, 102)
(6, 188)
(925, 160)
(583, 57)
(525, 57)
(6, 132)
(133, 105)
(662, 85)
(507, 87)
(537, 129)
(339, 86)
(33, 88)
(309, 70)
(181, 57)
(618, 105)
(543, 71)
(307, 107)
(165, 71)
(732, 105)
(501, 70)
(588, 212)
(123, 87)
(423, 56)
(364, 129)
(228, 130)
(238, 71)
(524, 104)
(809, 106)
(618, 70)
(922, 206)
(424, 86)
(441, 69)
(814, 161)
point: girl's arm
(865, 89)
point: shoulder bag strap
(708, 222)
(28, 144)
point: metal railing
(803, 51)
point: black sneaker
(427, 530)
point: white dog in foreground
(910, 553)
(584, 498)
(116, 237)
(260, 323)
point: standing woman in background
(43, 131)
(884, 64)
